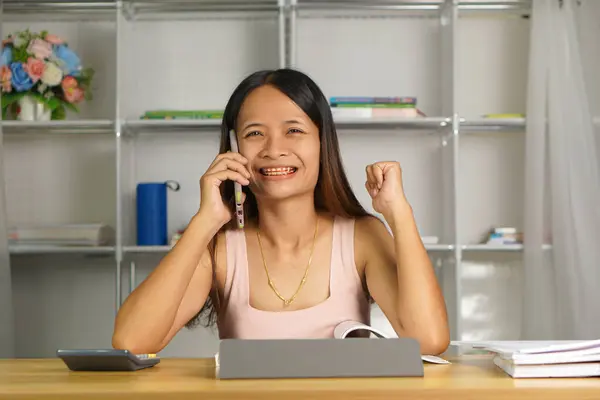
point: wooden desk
(470, 377)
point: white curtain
(562, 194)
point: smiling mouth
(279, 171)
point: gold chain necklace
(289, 301)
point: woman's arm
(179, 286)
(171, 295)
(398, 270)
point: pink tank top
(347, 300)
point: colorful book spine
(372, 100)
(183, 114)
(366, 112)
(373, 105)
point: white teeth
(278, 171)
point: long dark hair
(333, 193)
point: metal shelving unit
(59, 10)
(158, 8)
(415, 5)
(165, 249)
(46, 249)
(427, 123)
(142, 126)
(498, 247)
(492, 124)
(450, 126)
(137, 126)
(60, 127)
(146, 249)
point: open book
(545, 359)
(344, 329)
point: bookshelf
(447, 125)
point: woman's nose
(274, 147)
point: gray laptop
(319, 358)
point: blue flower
(6, 57)
(20, 79)
(68, 60)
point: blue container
(151, 199)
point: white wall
(69, 301)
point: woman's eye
(253, 133)
(294, 130)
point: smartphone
(239, 209)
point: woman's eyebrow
(258, 124)
(295, 121)
(252, 125)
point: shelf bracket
(128, 11)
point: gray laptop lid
(319, 358)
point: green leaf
(53, 103)
(20, 54)
(25, 38)
(59, 113)
(71, 107)
(38, 97)
(43, 34)
(86, 76)
(89, 73)
(10, 98)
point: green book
(183, 114)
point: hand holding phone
(239, 209)
(229, 166)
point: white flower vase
(30, 109)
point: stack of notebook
(541, 359)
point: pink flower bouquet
(42, 65)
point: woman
(309, 255)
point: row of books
(344, 107)
(374, 107)
(341, 107)
(182, 114)
(504, 235)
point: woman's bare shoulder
(367, 225)
(220, 252)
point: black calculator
(106, 360)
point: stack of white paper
(543, 359)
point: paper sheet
(534, 346)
